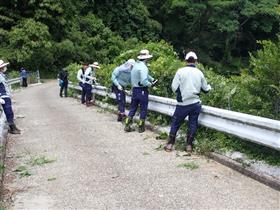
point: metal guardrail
(18, 79)
(13, 81)
(259, 130)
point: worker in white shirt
(81, 79)
(187, 84)
(90, 79)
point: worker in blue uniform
(23, 76)
(140, 82)
(121, 78)
(5, 99)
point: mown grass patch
(190, 166)
(22, 171)
(41, 160)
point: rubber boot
(128, 123)
(88, 103)
(13, 129)
(120, 117)
(169, 146)
(189, 143)
(141, 126)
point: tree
(30, 44)
(128, 18)
(265, 66)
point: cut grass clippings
(41, 160)
(162, 136)
(159, 148)
(51, 179)
(2, 168)
(22, 171)
(191, 165)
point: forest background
(236, 42)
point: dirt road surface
(80, 158)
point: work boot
(13, 129)
(128, 123)
(141, 126)
(88, 103)
(120, 117)
(169, 146)
(189, 145)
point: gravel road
(80, 158)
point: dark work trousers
(120, 98)
(88, 89)
(63, 87)
(7, 107)
(83, 95)
(24, 82)
(181, 112)
(140, 95)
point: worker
(121, 78)
(140, 82)
(5, 99)
(81, 80)
(90, 79)
(187, 84)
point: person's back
(121, 78)
(140, 75)
(23, 73)
(122, 74)
(188, 83)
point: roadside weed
(41, 160)
(191, 165)
(22, 171)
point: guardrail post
(38, 76)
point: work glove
(154, 82)
(209, 87)
(127, 92)
(2, 101)
(120, 88)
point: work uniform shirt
(140, 75)
(23, 73)
(63, 75)
(90, 75)
(187, 83)
(4, 88)
(122, 75)
(80, 75)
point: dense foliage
(49, 34)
